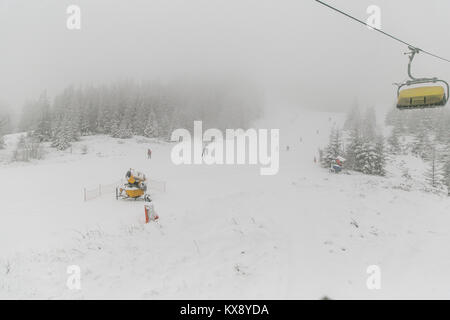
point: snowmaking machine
(135, 186)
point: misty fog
(224, 149)
(299, 52)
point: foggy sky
(300, 51)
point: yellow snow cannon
(135, 186)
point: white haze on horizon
(300, 52)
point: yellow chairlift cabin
(423, 96)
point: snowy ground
(224, 231)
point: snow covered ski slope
(224, 231)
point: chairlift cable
(381, 31)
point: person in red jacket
(337, 164)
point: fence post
(147, 218)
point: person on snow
(335, 167)
(337, 164)
(149, 153)
(204, 151)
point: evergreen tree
(125, 109)
(140, 120)
(422, 142)
(366, 157)
(353, 148)
(149, 130)
(85, 126)
(334, 148)
(5, 123)
(123, 132)
(369, 124)
(446, 174)
(353, 118)
(365, 151)
(2, 126)
(164, 127)
(445, 170)
(63, 135)
(380, 160)
(433, 174)
(155, 126)
(43, 131)
(353, 125)
(114, 125)
(394, 141)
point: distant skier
(287, 148)
(149, 153)
(204, 151)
